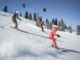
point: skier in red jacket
(14, 17)
(41, 25)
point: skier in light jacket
(14, 19)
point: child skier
(14, 17)
(52, 34)
(41, 25)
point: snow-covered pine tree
(59, 26)
(34, 17)
(62, 25)
(65, 26)
(40, 18)
(53, 21)
(78, 29)
(47, 23)
(50, 27)
(26, 14)
(30, 16)
(37, 19)
(70, 29)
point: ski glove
(58, 35)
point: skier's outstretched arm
(19, 18)
(56, 34)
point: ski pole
(5, 24)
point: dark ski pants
(16, 24)
(42, 28)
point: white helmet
(55, 26)
(17, 12)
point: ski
(17, 29)
(59, 49)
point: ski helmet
(55, 26)
(17, 12)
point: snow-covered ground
(32, 44)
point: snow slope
(32, 44)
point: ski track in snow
(32, 44)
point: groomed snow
(34, 44)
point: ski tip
(21, 30)
(11, 27)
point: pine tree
(78, 29)
(70, 29)
(50, 25)
(34, 17)
(5, 9)
(47, 23)
(53, 21)
(62, 27)
(26, 14)
(59, 26)
(65, 26)
(37, 19)
(30, 16)
(40, 18)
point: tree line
(49, 23)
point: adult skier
(14, 18)
(52, 34)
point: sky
(68, 10)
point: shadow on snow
(36, 34)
